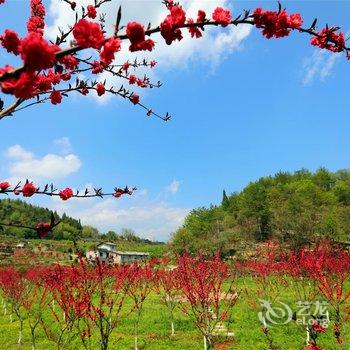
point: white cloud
(152, 220)
(142, 192)
(18, 152)
(25, 165)
(63, 144)
(173, 187)
(319, 66)
(212, 48)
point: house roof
(132, 253)
(107, 243)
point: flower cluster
(10, 41)
(222, 16)
(136, 34)
(329, 39)
(66, 193)
(88, 34)
(169, 28)
(276, 24)
(4, 186)
(91, 11)
(37, 54)
(36, 22)
(111, 46)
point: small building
(106, 252)
(129, 257)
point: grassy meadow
(155, 328)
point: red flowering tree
(35, 301)
(138, 285)
(61, 284)
(333, 278)
(89, 300)
(105, 304)
(210, 300)
(13, 289)
(168, 287)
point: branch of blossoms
(46, 64)
(83, 87)
(29, 189)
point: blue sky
(265, 106)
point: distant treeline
(22, 213)
(295, 209)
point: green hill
(19, 212)
(294, 209)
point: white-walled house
(106, 252)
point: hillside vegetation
(70, 229)
(295, 209)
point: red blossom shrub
(88, 298)
(13, 290)
(137, 285)
(194, 31)
(168, 287)
(202, 283)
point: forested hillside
(19, 212)
(295, 209)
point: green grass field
(155, 329)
